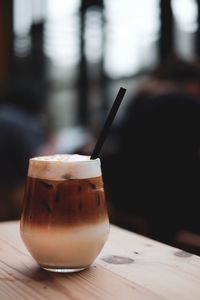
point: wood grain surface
(130, 266)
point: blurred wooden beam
(6, 40)
(166, 30)
(197, 41)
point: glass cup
(64, 222)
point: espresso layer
(69, 248)
(71, 202)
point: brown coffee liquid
(70, 202)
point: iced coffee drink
(64, 222)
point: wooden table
(130, 266)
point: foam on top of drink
(64, 166)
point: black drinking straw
(109, 120)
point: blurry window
(61, 40)
(185, 15)
(22, 21)
(132, 30)
(93, 35)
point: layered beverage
(64, 222)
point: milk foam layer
(64, 166)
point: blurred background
(61, 66)
(80, 52)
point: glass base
(63, 270)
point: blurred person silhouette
(24, 133)
(153, 178)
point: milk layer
(66, 247)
